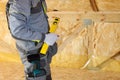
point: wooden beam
(94, 5)
(103, 17)
(110, 17)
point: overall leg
(45, 60)
(51, 52)
(31, 61)
(37, 66)
(46, 65)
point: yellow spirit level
(52, 29)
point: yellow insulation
(95, 46)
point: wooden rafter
(94, 5)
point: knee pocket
(39, 67)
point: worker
(28, 23)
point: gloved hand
(29, 67)
(50, 38)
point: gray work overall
(28, 22)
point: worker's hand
(50, 38)
(29, 67)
